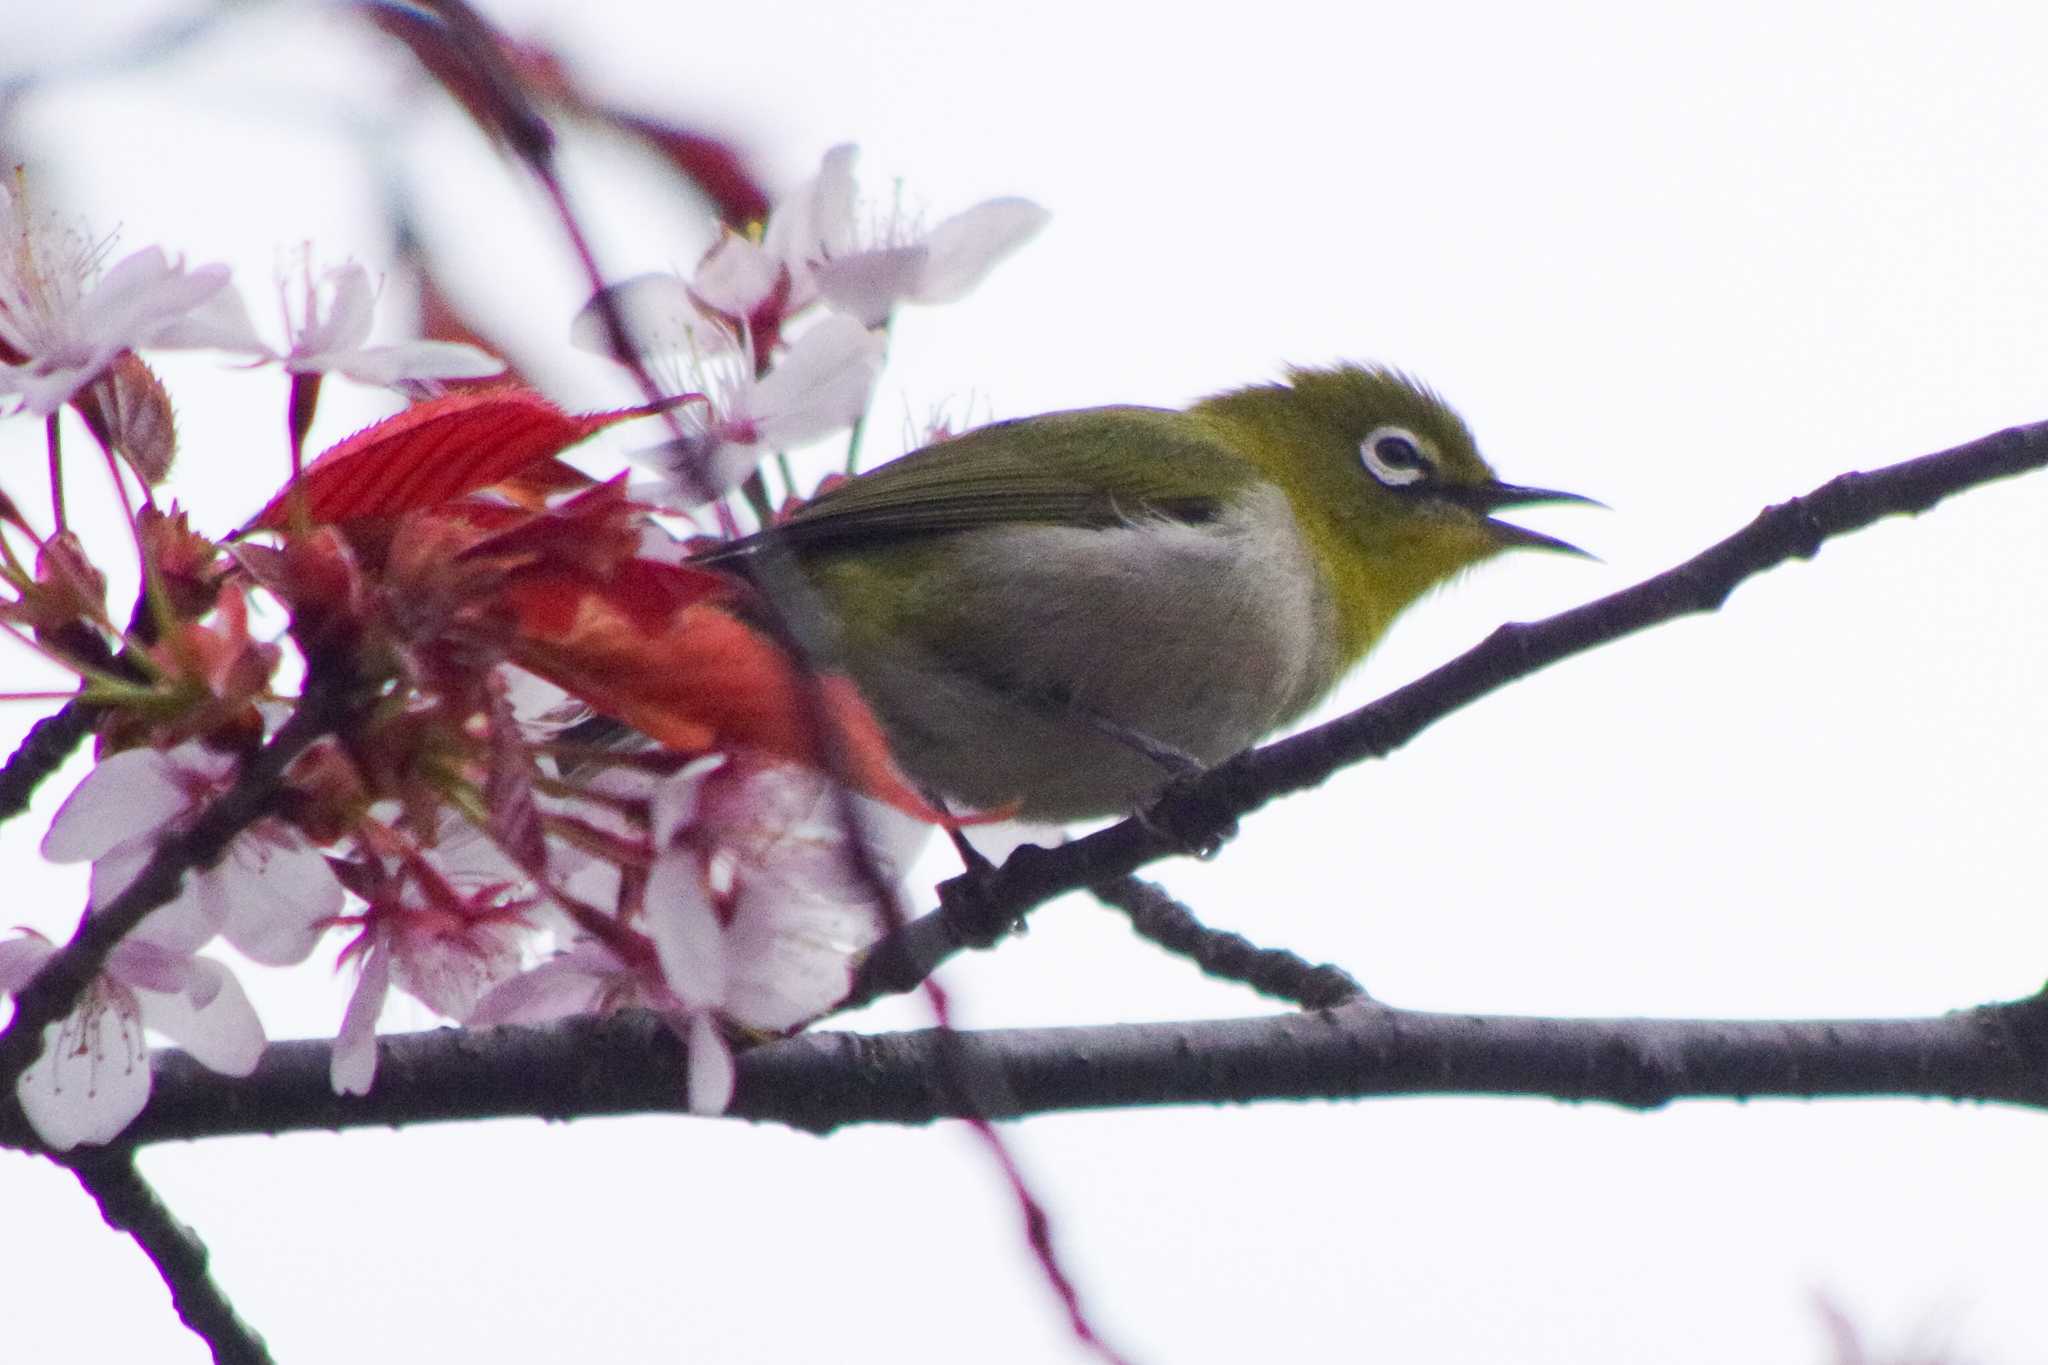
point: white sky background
(1689, 259)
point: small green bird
(1056, 613)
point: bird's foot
(1191, 820)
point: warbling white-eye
(1053, 613)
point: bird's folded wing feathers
(1093, 467)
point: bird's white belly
(1200, 637)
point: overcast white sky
(1688, 258)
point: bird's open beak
(1491, 497)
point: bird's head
(1385, 479)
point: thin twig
(1276, 972)
(130, 1205)
(42, 751)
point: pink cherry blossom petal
(127, 795)
(275, 894)
(867, 285)
(791, 961)
(140, 964)
(219, 323)
(688, 940)
(575, 982)
(93, 1076)
(211, 1018)
(659, 316)
(817, 218)
(407, 362)
(710, 1067)
(737, 276)
(352, 1067)
(182, 924)
(965, 247)
(821, 386)
(21, 957)
(345, 326)
(677, 797)
(450, 974)
(143, 293)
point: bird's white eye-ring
(1394, 457)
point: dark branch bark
(978, 910)
(52, 739)
(1161, 919)
(129, 1205)
(630, 1063)
(41, 752)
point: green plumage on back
(1094, 467)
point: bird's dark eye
(1394, 457)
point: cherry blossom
(819, 386)
(93, 1076)
(815, 246)
(272, 895)
(442, 927)
(62, 321)
(661, 315)
(867, 269)
(329, 331)
(752, 915)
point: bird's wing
(1093, 467)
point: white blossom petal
(817, 218)
(21, 957)
(211, 1018)
(965, 247)
(93, 1076)
(821, 386)
(710, 1068)
(659, 316)
(352, 304)
(574, 982)
(143, 294)
(352, 1066)
(45, 389)
(449, 974)
(791, 960)
(183, 924)
(677, 798)
(867, 285)
(737, 276)
(127, 795)
(276, 895)
(139, 964)
(404, 362)
(688, 939)
(220, 323)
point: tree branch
(630, 1063)
(1161, 919)
(978, 910)
(51, 740)
(43, 750)
(130, 1205)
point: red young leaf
(435, 451)
(654, 645)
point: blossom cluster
(429, 743)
